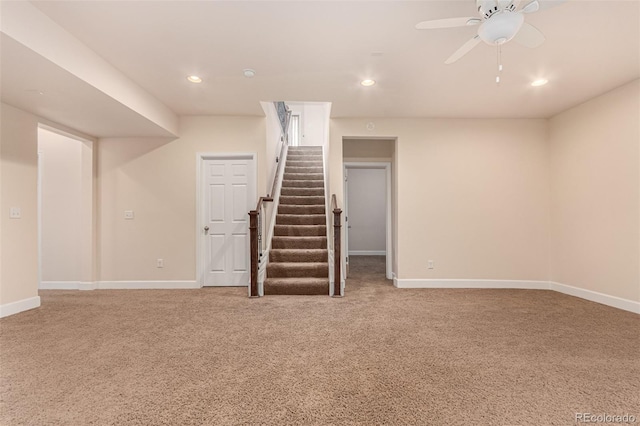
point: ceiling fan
(500, 21)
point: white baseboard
(594, 296)
(116, 285)
(139, 285)
(88, 285)
(449, 283)
(367, 253)
(60, 285)
(19, 306)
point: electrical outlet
(128, 214)
(160, 263)
(15, 213)
(430, 264)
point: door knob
(206, 229)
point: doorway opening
(373, 160)
(367, 205)
(66, 228)
(294, 130)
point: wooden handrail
(263, 200)
(279, 161)
(337, 255)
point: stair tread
(304, 244)
(302, 183)
(294, 269)
(302, 206)
(300, 250)
(302, 226)
(308, 237)
(302, 199)
(301, 209)
(286, 215)
(296, 286)
(296, 279)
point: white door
(228, 191)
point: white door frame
(389, 225)
(201, 157)
(39, 208)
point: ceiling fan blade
(537, 5)
(529, 36)
(548, 4)
(463, 50)
(532, 6)
(447, 23)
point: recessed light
(539, 82)
(194, 79)
(249, 73)
(368, 83)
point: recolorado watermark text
(605, 418)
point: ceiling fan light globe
(500, 28)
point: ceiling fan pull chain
(499, 57)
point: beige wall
(18, 237)
(473, 195)
(61, 206)
(157, 180)
(368, 150)
(596, 194)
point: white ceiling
(320, 50)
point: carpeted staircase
(298, 260)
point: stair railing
(260, 219)
(337, 247)
(256, 225)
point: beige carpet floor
(379, 356)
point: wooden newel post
(253, 229)
(337, 259)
